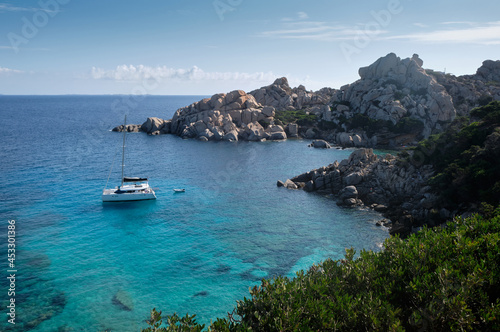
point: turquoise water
(195, 252)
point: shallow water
(84, 265)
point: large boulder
(345, 139)
(353, 179)
(153, 124)
(279, 135)
(254, 132)
(289, 184)
(348, 192)
(489, 71)
(268, 111)
(321, 144)
(292, 129)
(231, 136)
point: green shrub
(264, 123)
(467, 166)
(408, 125)
(327, 125)
(300, 117)
(484, 100)
(364, 122)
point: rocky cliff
(391, 89)
(405, 102)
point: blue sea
(84, 265)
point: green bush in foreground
(441, 279)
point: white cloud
(4, 70)
(322, 31)
(420, 25)
(458, 22)
(7, 7)
(141, 72)
(301, 28)
(486, 34)
(303, 15)
(300, 16)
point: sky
(202, 47)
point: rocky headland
(384, 183)
(237, 115)
(395, 102)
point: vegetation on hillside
(300, 117)
(466, 158)
(440, 279)
(405, 125)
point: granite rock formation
(383, 183)
(399, 101)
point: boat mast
(123, 147)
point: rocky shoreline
(396, 102)
(384, 183)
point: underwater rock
(203, 293)
(123, 301)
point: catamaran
(131, 188)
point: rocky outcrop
(152, 126)
(282, 97)
(131, 128)
(470, 91)
(489, 71)
(233, 116)
(395, 91)
(392, 89)
(399, 190)
(320, 144)
(240, 116)
(156, 126)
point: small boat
(179, 190)
(131, 188)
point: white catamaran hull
(111, 195)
